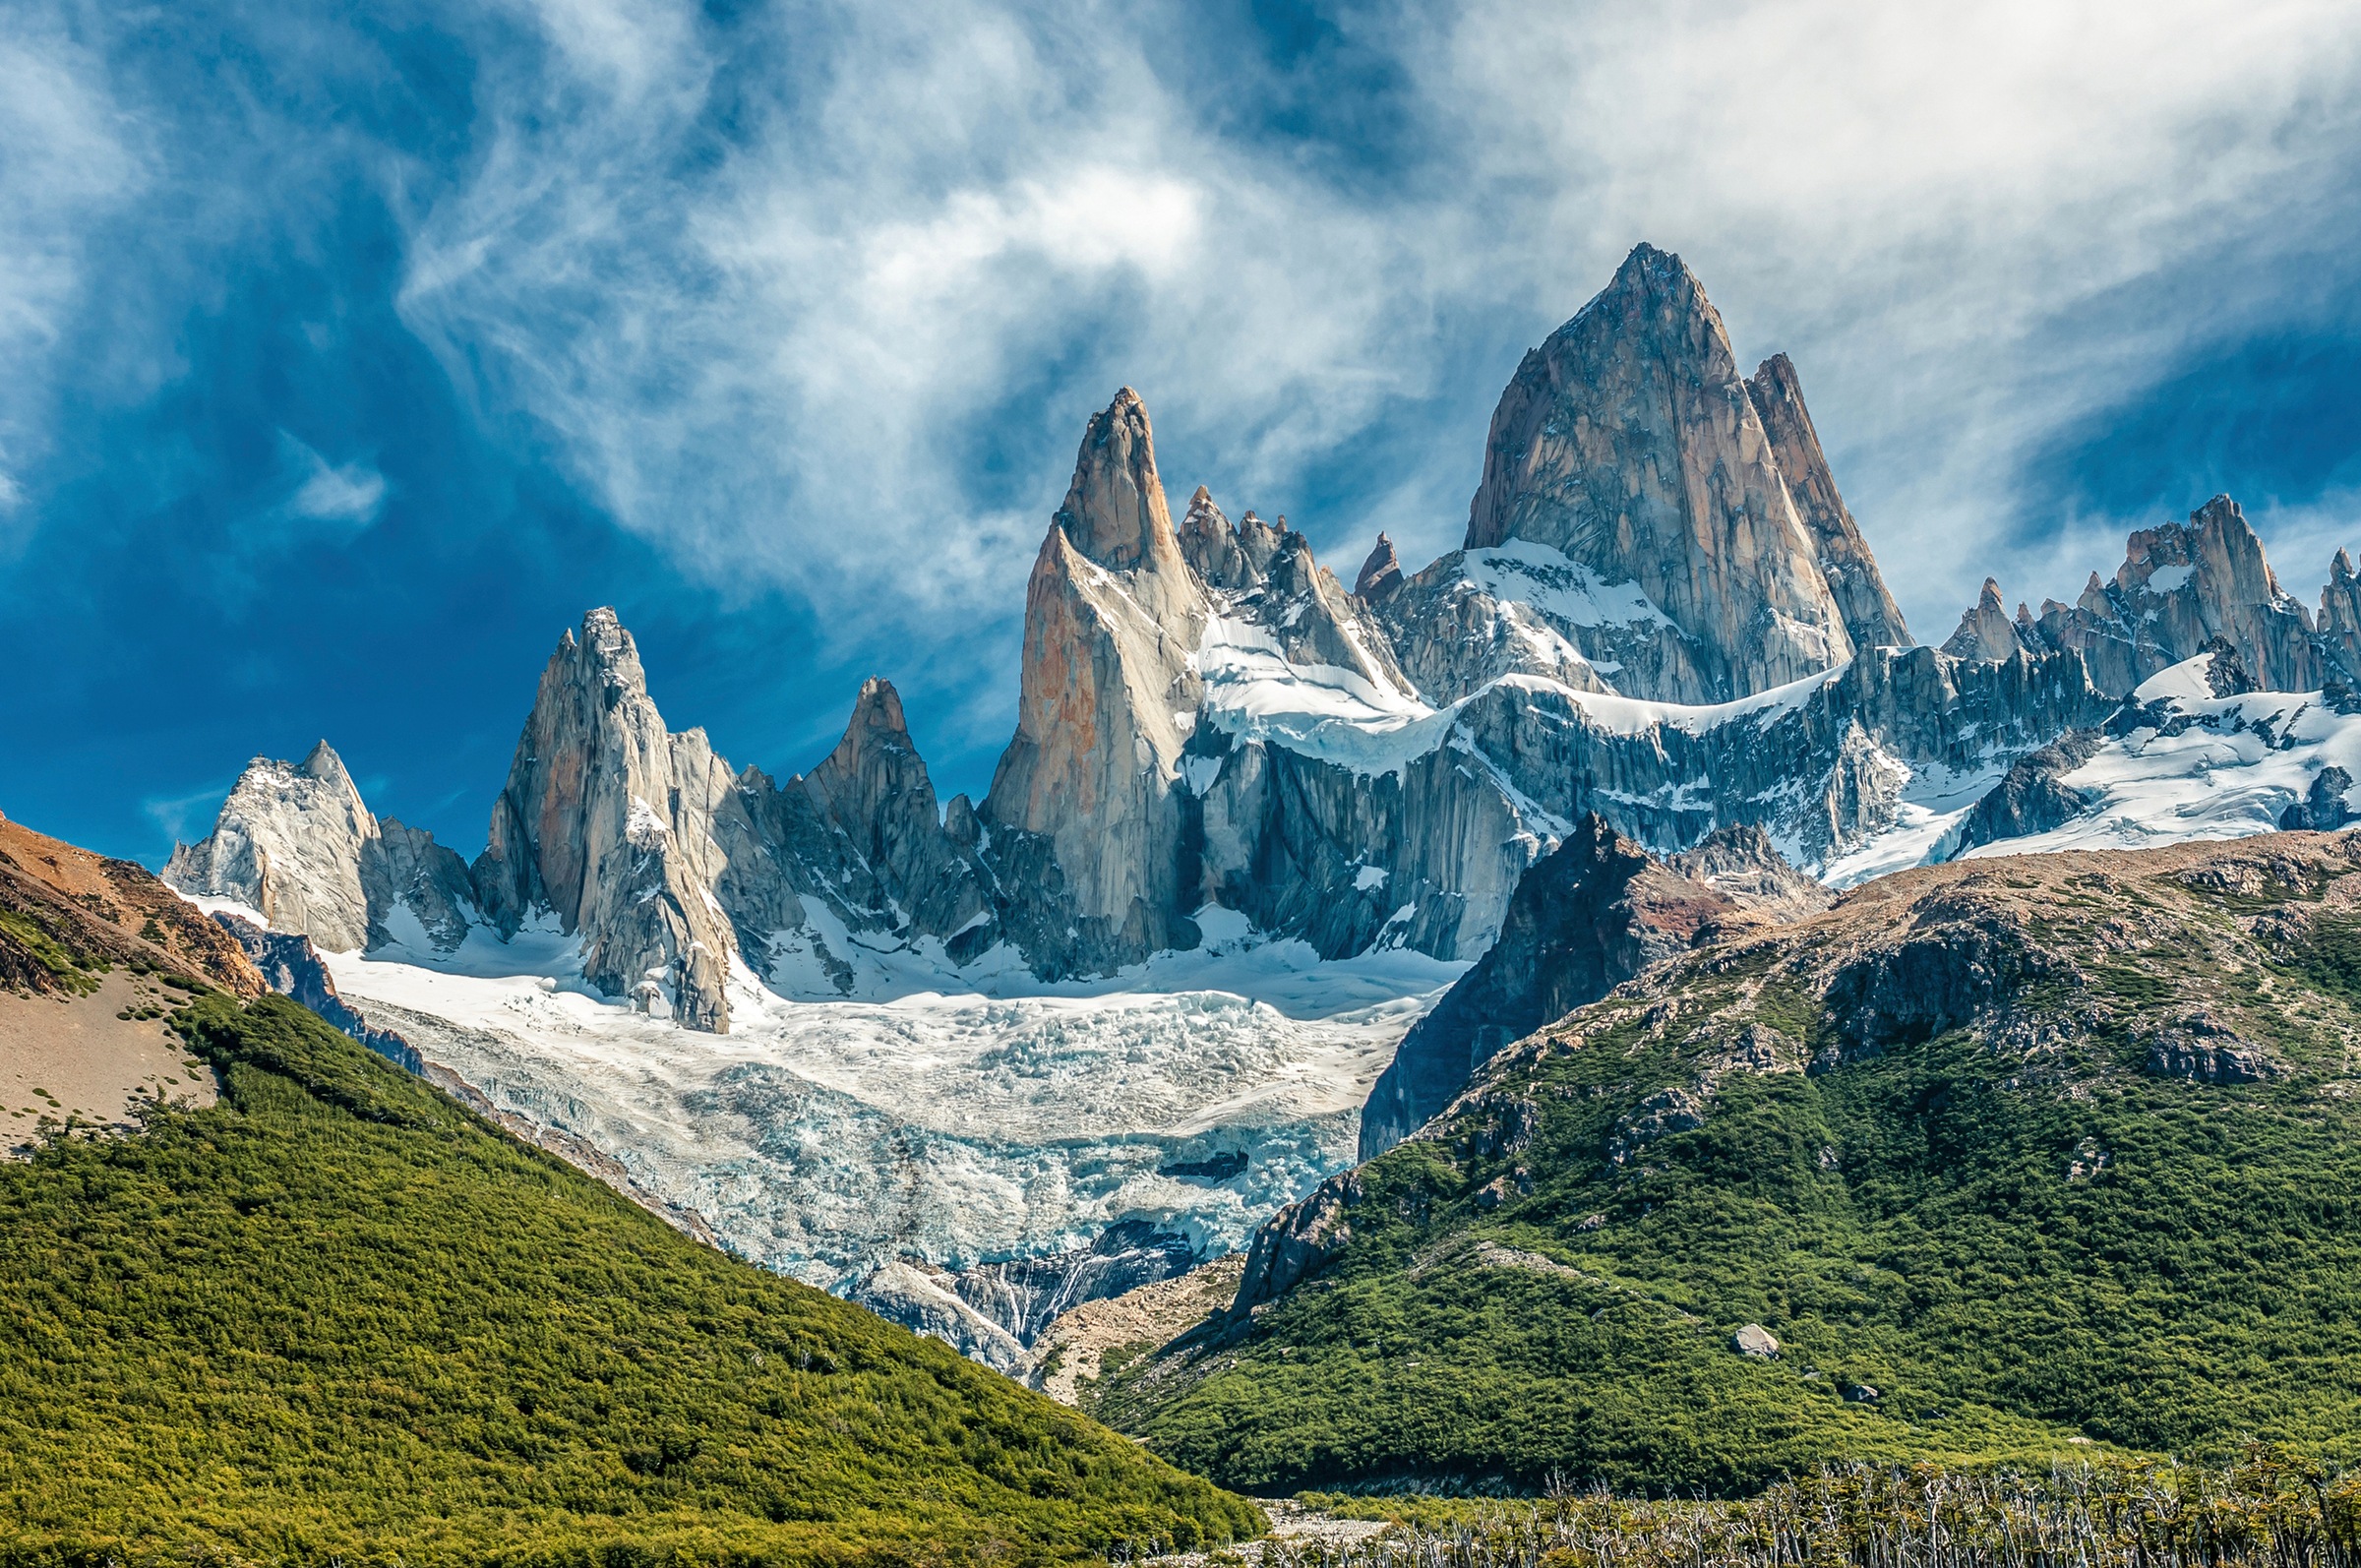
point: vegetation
(34, 947)
(2011, 1242)
(337, 1318)
(2264, 1509)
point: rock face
(1871, 617)
(1587, 917)
(2180, 586)
(1985, 633)
(292, 967)
(1112, 614)
(1629, 445)
(295, 842)
(607, 823)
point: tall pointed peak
(1115, 512)
(876, 715)
(2342, 566)
(1381, 574)
(1588, 454)
(321, 762)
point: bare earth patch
(1069, 1351)
(76, 1063)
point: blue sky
(352, 352)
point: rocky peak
(1985, 633)
(1210, 546)
(1870, 614)
(296, 843)
(2340, 617)
(1115, 517)
(288, 843)
(607, 823)
(876, 789)
(1109, 694)
(1628, 443)
(1380, 574)
(2182, 584)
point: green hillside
(338, 1317)
(2055, 1156)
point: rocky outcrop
(607, 823)
(1295, 1243)
(292, 967)
(926, 1299)
(2180, 586)
(1870, 614)
(1380, 574)
(2033, 796)
(295, 842)
(1985, 633)
(1587, 917)
(1112, 614)
(1628, 443)
(1744, 866)
(2323, 808)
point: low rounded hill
(2002, 1161)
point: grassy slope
(339, 1316)
(1912, 1221)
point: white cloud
(346, 497)
(939, 235)
(65, 160)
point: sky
(348, 354)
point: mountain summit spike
(1628, 443)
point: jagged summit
(1628, 443)
(2181, 585)
(1985, 631)
(295, 842)
(1109, 689)
(1380, 574)
(1870, 614)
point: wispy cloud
(186, 817)
(344, 500)
(68, 159)
(843, 341)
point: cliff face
(1588, 916)
(1870, 614)
(608, 824)
(1112, 614)
(1629, 445)
(295, 842)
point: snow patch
(2234, 766)
(1564, 589)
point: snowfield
(822, 1137)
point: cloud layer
(822, 296)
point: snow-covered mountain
(976, 1057)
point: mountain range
(1662, 675)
